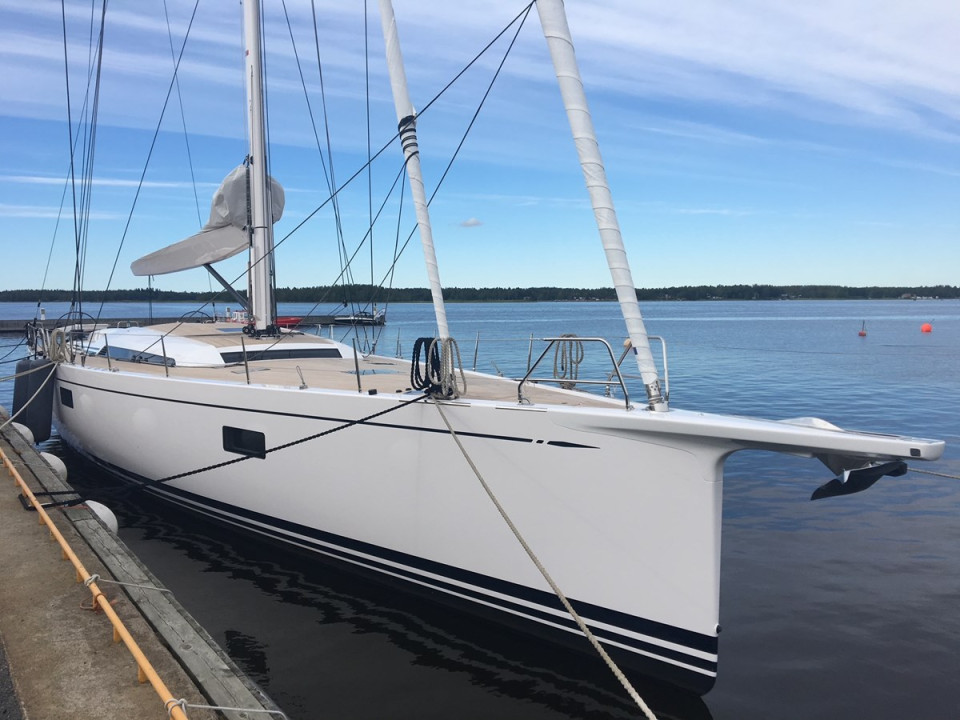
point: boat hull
(628, 527)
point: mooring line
(938, 474)
(618, 673)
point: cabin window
(137, 356)
(281, 354)
(244, 442)
(66, 397)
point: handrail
(553, 341)
(145, 671)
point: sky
(744, 141)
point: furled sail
(224, 235)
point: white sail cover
(553, 19)
(224, 235)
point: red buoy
(926, 327)
(863, 329)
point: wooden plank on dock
(215, 674)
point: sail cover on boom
(224, 235)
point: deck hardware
(627, 347)
(356, 365)
(246, 366)
(163, 349)
(551, 342)
(106, 343)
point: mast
(407, 124)
(261, 275)
(555, 29)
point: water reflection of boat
(282, 603)
(362, 317)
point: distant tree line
(367, 293)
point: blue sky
(745, 142)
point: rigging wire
(21, 343)
(53, 245)
(522, 17)
(306, 96)
(328, 174)
(72, 177)
(525, 14)
(90, 152)
(146, 164)
(269, 256)
(183, 117)
(74, 144)
(342, 247)
(364, 168)
(366, 77)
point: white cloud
(852, 61)
(868, 59)
(472, 222)
(729, 212)
(102, 182)
(47, 213)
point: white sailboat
(621, 501)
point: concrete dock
(58, 659)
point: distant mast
(407, 124)
(554, 22)
(261, 275)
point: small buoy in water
(926, 327)
(25, 431)
(863, 329)
(105, 514)
(56, 464)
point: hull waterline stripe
(657, 652)
(481, 586)
(561, 622)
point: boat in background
(362, 317)
(260, 427)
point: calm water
(834, 609)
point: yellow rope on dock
(145, 671)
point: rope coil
(566, 360)
(436, 372)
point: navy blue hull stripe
(347, 548)
(542, 616)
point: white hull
(623, 507)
